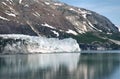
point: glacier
(17, 43)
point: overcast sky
(108, 8)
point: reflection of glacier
(54, 61)
(24, 63)
(60, 66)
(23, 43)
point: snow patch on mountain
(11, 9)
(4, 3)
(20, 1)
(72, 9)
(119, 29)
(71, 32)
(36, 14)
(26, 5)
(58, 4)
(11, 14)
(47, 25)
(56, 33)
(3, 18)
(10, 1)
(34, 44)
(47, 3)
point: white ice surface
(40, 44)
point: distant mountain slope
(34, 17)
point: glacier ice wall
(33, 44)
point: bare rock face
(49, 18)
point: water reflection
(60, 66)
(97, 66)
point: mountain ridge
(61, 16)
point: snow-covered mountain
(51, 18)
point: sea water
(61, 66)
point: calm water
(60, 66)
